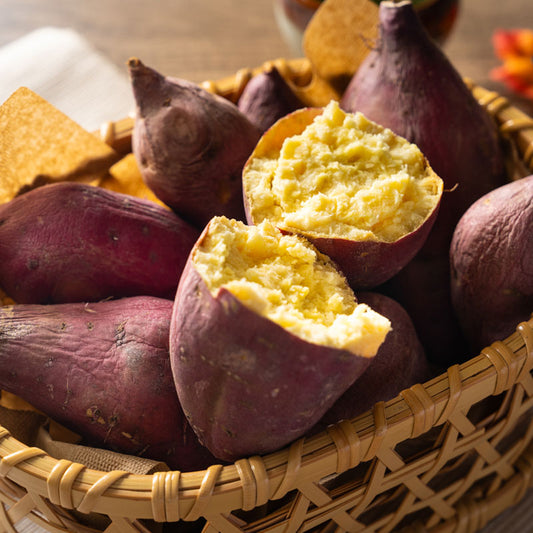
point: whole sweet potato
(68, 242)
(266, 334)
(492, 263)
(406, 83)
(190, 144)
(400, 363)
(103, 371)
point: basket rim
(460, 386)
(254, 480)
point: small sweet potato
(103, 371)
(267, 97)
(266, 334)
(492, 263)
(400, 363)
(361, 194)
(68, 242)
(190, 145)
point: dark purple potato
(190, 145)
(399, 364)
(492, 264)
(103, 371)
(408, 84)
(72, 242)
(267, 97)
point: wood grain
(210, 39)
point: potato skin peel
(492, 263)
(72, 242)
(236, 373)
(103, 371)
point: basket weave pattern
(447, 455)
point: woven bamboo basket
(446, 455)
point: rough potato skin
(492, 264)
(190, 144)
(72, 242)
(246, 385)
(102, 370)
(400, 363)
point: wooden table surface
(211, 39)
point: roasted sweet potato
(492, 264)
(267, 97)
(266, 334)
(399, 363)
(406, 83)
(364, 196)
(190, 144)
(103, 371)
(68, 242)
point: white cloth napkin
(61, 66)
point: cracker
(39, 144)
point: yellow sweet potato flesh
(343, 176)
(284, 278)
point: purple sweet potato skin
(191, 145)
(408, 85)
(368, 264)
(492, 264)
(102, 370)
(266, 98)
(400, 363)
(246, 385)
(423, 289)
(72, 242)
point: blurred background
(209, 39)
